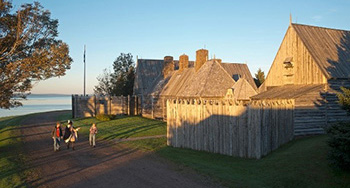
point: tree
(121, 81)
(259, 77)
(124, 74)
(29, 51)
(105, 83)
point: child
(92, 137)
(56, 136)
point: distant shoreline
(48, 94)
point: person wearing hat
(70, 134)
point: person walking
(56, 136)
(92, 136)
(70, 134)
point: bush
(339, 142)
(104, 117)
(344, 98)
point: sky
(235, 31)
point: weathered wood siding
(230, 127)
(90, 106)
(305, 70)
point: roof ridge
(206, 78)
(321, 27)
(234, 63)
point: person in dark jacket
(70, 134)
(67, 133)
(56, 136)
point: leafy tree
(259, 77)
(29, 50)
(124, 74)
(105, 83)
(344, 98)
(121, 81)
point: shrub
(344, 98)
(339, 142)
(104, 117)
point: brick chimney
(201, 58)
(183, 62)
(168, 65)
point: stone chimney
(183, 62)
(168, 65)
(201, 58)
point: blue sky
(235, 31)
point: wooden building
(157, 80)
(310, 66)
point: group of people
(70, 135)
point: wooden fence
(243, 129)
(90, 106)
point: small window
(288, 62)
(288, 72)
(236, 77)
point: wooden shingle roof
(178, 82)
(330, 48)
(147, 72)
(243, 90)
(239, 69)
(288, 91)
(211, 80)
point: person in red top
(56, 136)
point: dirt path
(103, 166)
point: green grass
(11, 155)
(122, 127)
(300, 163)
(153, 144)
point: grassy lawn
(122, 127)
(11, 156)
(300, 163)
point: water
(40, 103)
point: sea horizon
(35, 103)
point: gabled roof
(330, 48)
(242, 90)
(178, 81)
(148, 71)
(288, 91)
(239, 69)
(211, 80)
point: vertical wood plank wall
(305, 69)
(230, 127)
(90, 106)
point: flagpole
(84, 70)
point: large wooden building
(157, 80)
(310, 66)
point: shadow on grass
(131, 132)
(300, 163)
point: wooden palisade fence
(90, 106)
(229, 127)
